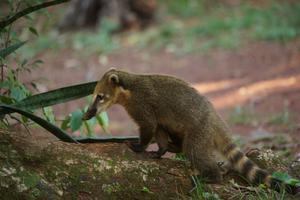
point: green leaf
(48, 113)
(3, 125)
(146, 190)
(60, 134)
(103, 120)
(24, 119)
(65, 124)
(33, 30)
(284, 177)
(54, 97)
(281, 176)
(88, 128)
(17, 93)
(57, 96)
(76, 120)
(5, 84)
(293, 181)
(6, 100)
(6, 51)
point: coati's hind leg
(165, 143)
(175, 143)
(203, 162)
(174, 148)
(208, 170)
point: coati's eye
(100, 97)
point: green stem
(88, 128)
(29, 10)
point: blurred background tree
(125, 14)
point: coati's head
(108, 91)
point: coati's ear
(112, 69)
(113, 79)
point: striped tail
(252, 172)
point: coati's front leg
(164, 144)
(146, 134)
(145, 119)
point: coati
(179, 119)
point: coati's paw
(153, 154)
(135, 146)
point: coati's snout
(92, 110)
(105, 95)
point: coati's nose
(92, 110)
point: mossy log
(32, 169)
(41, 167)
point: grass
(194, 29)
(185, 26)
(200, 191)
(242, 116)
(283, 118)
(84, 43)
(233, 190)
(263, 194)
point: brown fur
(179, 119)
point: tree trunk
(126, 14)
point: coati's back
(170, 98)
(166, 106)
(180, 109)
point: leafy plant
(59, 133)
(11, 49)
(284, 177)
(74, 122)
(57, 96)
(48, 126)
(17, 98)
(12, 89)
